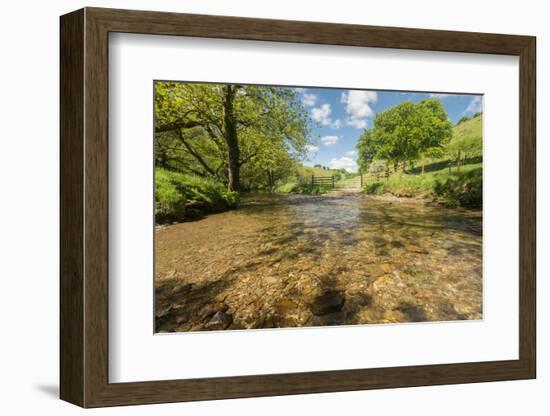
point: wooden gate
(326, 181)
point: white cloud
(299, 90)
(329, 140)
(474, 106)
(336, 124)
(309, 99)
(358, 106)
(358, 123)
(311, 148)
(351, 153)
(344, 162)
(438, 95)
(322, 114)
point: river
(302, 260)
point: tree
(436, 129)
(366, 150)
(405, 132)
(216, 129)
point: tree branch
(195, 154)
(246, 159)
(177, 125)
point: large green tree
(406, 132)
(216, 129)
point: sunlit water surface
(299, 260)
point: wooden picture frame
(84, 207)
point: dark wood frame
(84, 207)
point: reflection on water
(293, 261)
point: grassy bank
(454, 179)
(180, 197)
(462, 188)
(302, 188)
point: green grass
(468, 130)
(454, 188)
(351, 179)
(180, 197)
(440, 184)
(302, 188)
(303, 173)
(463, 189)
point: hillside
(468, 136)
(468, 130)
(456, 177)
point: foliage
(308, 188)
(405, 132)
(456, 188)
(286, 187)
(217, 131)
(180, 196)
(366, 150)
(374, 188)
(464, 189)
(170, 197)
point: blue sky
(340, 116)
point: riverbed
(302, 260)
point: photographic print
(289, 206)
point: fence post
(332, 181)
(312, 179)
(361, 174)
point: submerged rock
(211, 309)
(328, 302)
(220, 320)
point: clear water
(300, 260)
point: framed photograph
(256, 207)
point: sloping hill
(468, 135)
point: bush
(455, 189)
(374, 188)
(179, 196)
(464, 189)
(232, 199)
(285, 187)
(169, 196)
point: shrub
(232, 199)
(464, 189)
(169, 198)
(374, 188)
(179, 196)
(285, 187)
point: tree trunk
(458, 163)
(232, 141)
(270, 179)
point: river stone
(416, 249)
(220, 320)
(328, 302)
(211, 309)
(272, 280)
